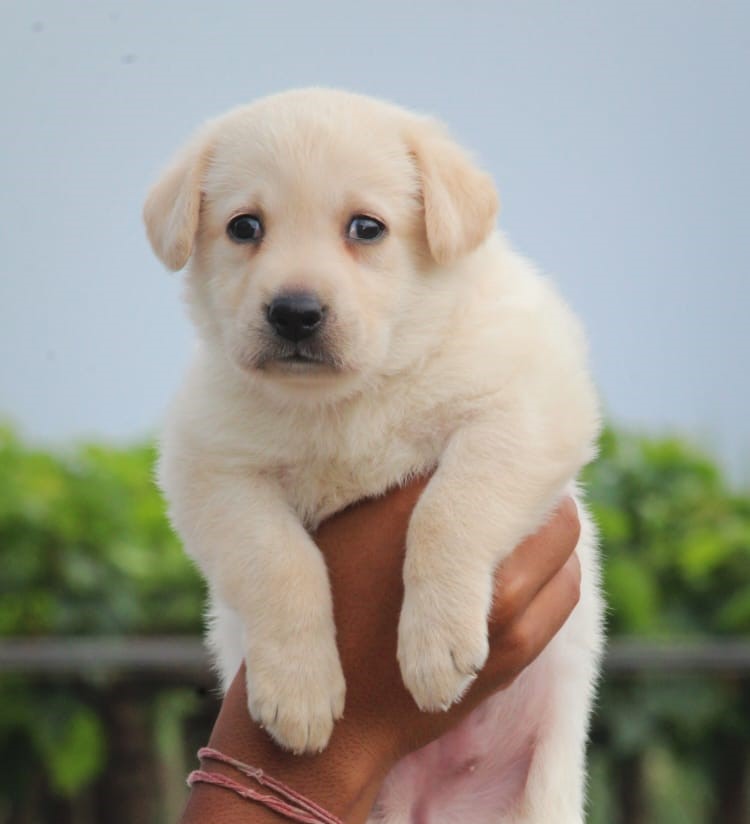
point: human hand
(535, 590)
(537, 587)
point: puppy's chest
(332, 472)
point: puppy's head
(322, 229)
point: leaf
(72, 746)
(632, 595)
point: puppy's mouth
(299, 359)
(296, 358)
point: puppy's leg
(556, 784)
(225, 639)
(555, 788)
(263, 565)
(494, 485)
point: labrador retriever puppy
(360, 321)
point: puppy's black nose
(295, 316)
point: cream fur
(446, 349)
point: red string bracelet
(296, 807)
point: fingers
(517, 645)
(533, 564)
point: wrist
(344, 779)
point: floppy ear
(460, 201)
(173, 204)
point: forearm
(344, 779)
(346, 776)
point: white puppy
(360, 322)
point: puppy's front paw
(297, 693)
(441, 648)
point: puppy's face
(308, 237)
(314, 223)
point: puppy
(360, 322)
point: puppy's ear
(460, 201)
(173, 204)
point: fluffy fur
(441, 348)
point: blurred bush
(85, 545)
(85, 549)
(676, 539)
(676, 562)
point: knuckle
(569, 521)
(573, 580)
(508, 599)
(518, 644)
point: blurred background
(618, 136)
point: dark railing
(186, 656)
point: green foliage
(85, 548)
(676, 540)
(70, 739)
(676, 563)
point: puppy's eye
(365, 229)
(245, 229)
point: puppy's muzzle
(296, 316)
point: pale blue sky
(618, 135)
